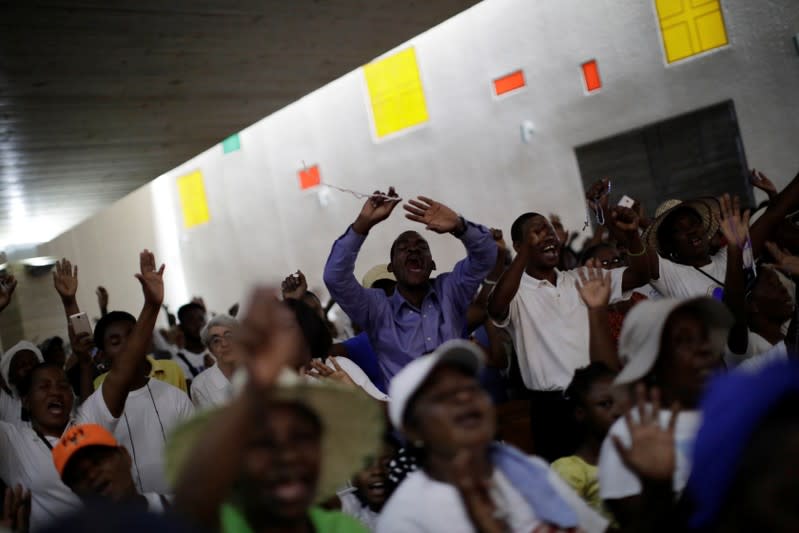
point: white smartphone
(80, 323)
(626, 201)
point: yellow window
(193, 201)
(690, 27)
(395, 91)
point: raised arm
(594, 289)
(735, 229)
(625, 227)
(508, 284)
(102, 300)
(779, 207)
(339, 275)
(123, 372)
(272, 339)
(65, 280)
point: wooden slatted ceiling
(98, 97)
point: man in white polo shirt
(548, 321)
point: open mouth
(55, 407)
(290, 488)
(378, 488)
(103, 487)
(469, 419)
(414, 264)
(550, 249)
(696, 242)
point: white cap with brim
(642, 332)
(404, 385)
(377, 273)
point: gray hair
(219, 320)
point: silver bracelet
(489, 282)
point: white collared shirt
(211, 388)
(550, 330)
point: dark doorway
(696, 154)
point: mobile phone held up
(626, 201)
(80, 323)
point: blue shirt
(398, 331)
(360, 352)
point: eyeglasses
(217, 339)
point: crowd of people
(656, 368)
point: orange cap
(77, 438)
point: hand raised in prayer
(294, 286)
(102, 298)
(761, 181)
(318, 369)
(651, 454)
(376, 209)
(434, 215)
(65, 279)
(594, 286)
(784, 261)
(16, 509)
(152, 280)
(733, 225)
(7, 286)
(271, 336)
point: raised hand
(597, 194)
(320, 370)
(651, 454)
(734, 227)
(65, 279)
(294, 286)
(594, 286)
(760, 181)
(16, 510)
(625, 219)
(152, 280)
(271, 336)
(7, 286)
(376, 209)
(784, 261)
(82, 346)
(102, 299)
(434, 215)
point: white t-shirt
(351, 505)
(756, 345)
(550, 330)
(26, 460)
(155, 502)
(422, 504)
(151, 412)
(197, 360)
(616, 481)
(683, 281)
(211, 388)
(10, 409)
(778, 352)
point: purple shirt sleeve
(469, 273)
(358, 302)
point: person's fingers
(414, 211)
(736, 205)
(675, 412)
(606, 278)
(429, 201)
(336, 365)
(392, 191)
(640, 400)
(415, 218)
(419, 205)
(655, 397)
(582, 275)
(746, 216)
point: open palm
(594, 286)
(65, 278)
(152, 280)
(733, 225)
(434, 215)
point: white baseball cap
(642, 332)
(404, 385)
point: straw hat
(708, 210)
(375, 274)
(352, 429)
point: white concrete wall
(469, 154)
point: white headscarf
(5, 362)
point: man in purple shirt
(422, 313)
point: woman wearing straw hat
(260, 463)
(686, 264)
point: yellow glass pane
(395, 91)
(677, 41)
(193, 201)
(689, 27)
(712, 33)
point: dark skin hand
(294, 286)
(7, 287)
(16, 509)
